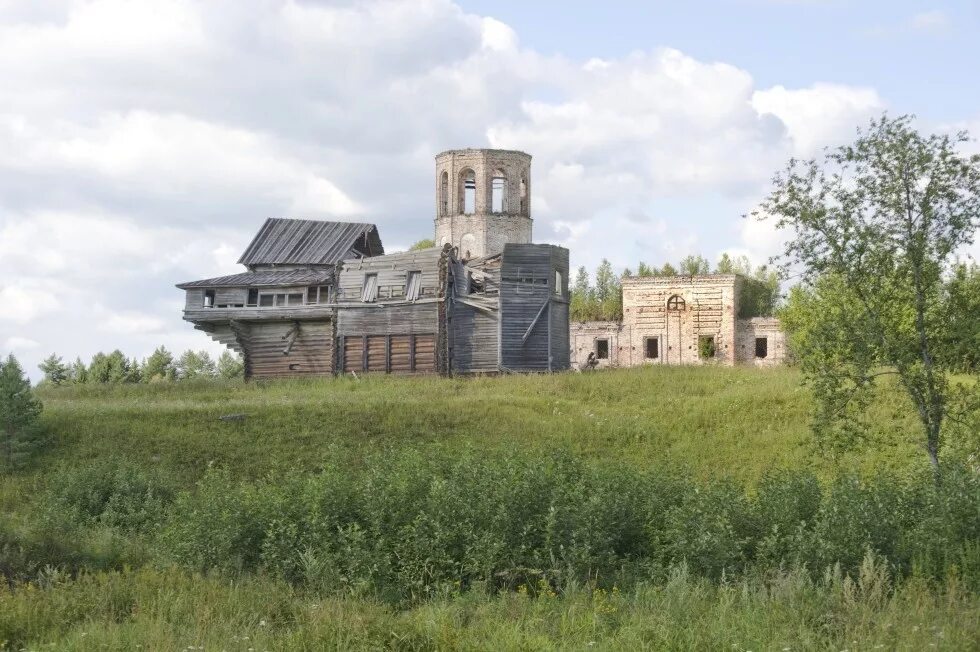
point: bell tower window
(498, 192)
(467, 194)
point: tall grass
(662, 508)
(171, 610)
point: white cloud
(18, 344)
(141, 144)
(131, 323)
(25, 300)
(818, 116)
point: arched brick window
(467, 192)
(675, 303)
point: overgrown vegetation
(161, 366)
(414, 513)
(875, 228)
(20, 411)
(602, 299)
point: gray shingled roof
(310, 242)
(264, 279)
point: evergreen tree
(111, 368)
(159, 366)
(644, 270)
(581, 299)
(195, 364)
(666, 270)
(19, 415)
(55, 371)
(78, 372)
(694, 266)
(230, 366)
(608, 293)
(729, 265)
(426, 243)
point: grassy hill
(713, 422)
(617, 509)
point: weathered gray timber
(310, 242)
(322, 297)
(533, 308)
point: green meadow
(654, 508)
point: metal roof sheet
(309, 242)
(264, 279)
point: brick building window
(602, 349)
(676, 302)
(761, 347)
(706, 347)
(651, 348)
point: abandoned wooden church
(322, 297)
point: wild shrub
(412, 527)
(111, 492)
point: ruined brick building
(677, 320)
(322, 297)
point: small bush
(110, 493)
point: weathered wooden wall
(392, 271)
(529, 319)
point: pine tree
(230, 366)
(694, 266)
(55, 371)
(159, 366)
(78, 372)
(195, 364)
(19, 415)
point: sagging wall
(534, 308)
(275, 349)
(678, 312)
(748, 331)
(389, 334)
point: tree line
(601, 299)
(160, 366)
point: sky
(143, 143)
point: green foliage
(406, 527)
(20, 412)
(159, 366)
(55, 371)
(878, 222)
(424, 243)
(706, 347)
(113, 368)
(196, 364)
(602, 301)
(78, 372)
(389, 511)
(172, 610)
(230, 366)
(694, 266)
(960, 348)
(109, 492)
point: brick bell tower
(483, 200)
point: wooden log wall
(263, 345)
(527, 314)
(392, 271)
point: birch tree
(872, 229)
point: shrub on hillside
(108, 492)
(406, 527)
